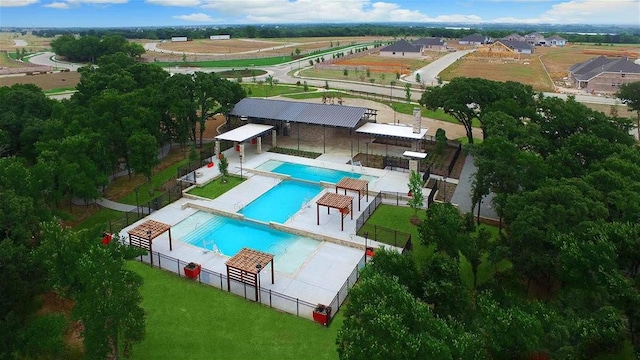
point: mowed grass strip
(186, 320)
(216, 187)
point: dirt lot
(34, 44)
(44, 81)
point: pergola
(245, 267)
(142, 235)
(358, 185)
(343, 203)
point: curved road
(281, 72)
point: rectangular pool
(281, 202)
(228, 236)
(310, 173)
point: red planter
(322, 314)
(192, 270)
(210, 165)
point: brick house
(603, 74)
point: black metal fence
(386, 235)
(432, 195)
(454, 159)
(172, 193)
(366, 213)
(268, 297)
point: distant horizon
(203, 13)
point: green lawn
(186, 320)
(216, 187)
(397, 218)
(157, 180)
(264, 90)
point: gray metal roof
(431, 41)
(402, 46)
(593, 67)
(476, 38)
(300, 112)
(516, 45)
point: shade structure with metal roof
(245, 132)
(301, 112)
(245, 268)
(397, 131)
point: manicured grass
(397, 218)
(157, 180)
(264, 90)
(188, 320)
(59, 90)
(103, 216)
(216, 187)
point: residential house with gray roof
(603, 74)
(475, 39)
(402, 48)
(431, 44)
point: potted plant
(322, 314)
(192, 270)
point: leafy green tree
(223, 166)
(443, 287)
(415, 187)
(443, 226)
(143, 156)
(407, 92)
(383, 321)
(630, 94)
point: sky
(132, 13)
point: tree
(443, 227)
(107, 295)
(383, 321)
(143, 156)
(629, 93)
(223, 166)
(407, 92)
(415, 189)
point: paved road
(45, 58)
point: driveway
(429, 73)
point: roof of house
(513, 36)
(556, 37)
(402, 46)
(301, 112)
(593, 67)
(475, 38)
(516, 45)
(534, 34)
(430, 41)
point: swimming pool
(281, 202)
(310, 173)
(228, 236)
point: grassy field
(528, 71)
(47, 82)
(187, 320)
(34, 43)
(264, 90)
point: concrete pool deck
(324, 272)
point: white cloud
(17, 3)
(183, 3)
(57, 5)
(197, 17)
(585, 12)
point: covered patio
(243, 134)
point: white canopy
(414, 154)
(398, 131)
(245, 132)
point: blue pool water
(281, 202)
(312, 173)
(228, 236)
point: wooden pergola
(343, 203)
(142, 235)
(357, 185)
(245, 267)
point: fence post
(297, 307)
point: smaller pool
(281, 202)
(310, 173)
(228, 236)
